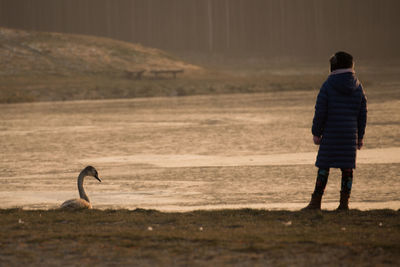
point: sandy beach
(188, 153)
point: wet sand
(188, 153)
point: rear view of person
(338, 127)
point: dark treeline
(291, 28)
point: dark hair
(341, 60)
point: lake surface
(187, 153)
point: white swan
(83, 202)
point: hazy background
(309, 29)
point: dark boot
(344, 200)
(347, 181)
(322, 179)
(315, 203)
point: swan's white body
(83, 202)
(77, 203)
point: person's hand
(317, 140)
(360, 144)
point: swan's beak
(97, 178)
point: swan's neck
(82, 193)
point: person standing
(338, 127)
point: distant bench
(157, 73)
(135, 75)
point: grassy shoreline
(218, 237)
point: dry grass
(36, 66)
(225, 237)
(113, 86)
(28, 53)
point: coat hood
(345, 83)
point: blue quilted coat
(340, 119)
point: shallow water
(179, 154)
